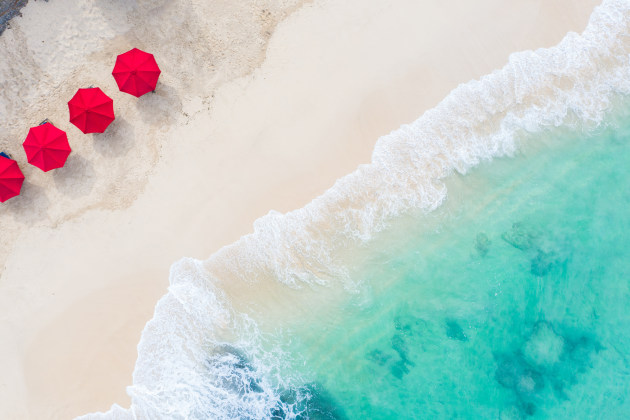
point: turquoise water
(510, 301)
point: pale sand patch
(204, 156)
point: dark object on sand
(8, 10)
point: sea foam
(187, 370)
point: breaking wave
(206, 352)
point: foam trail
(184, 370)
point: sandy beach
(261, 105)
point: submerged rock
(511, 413)
(520, 237)
(576, 359)
(581, 351)
(242, 377)
(400, 346)
(379, 357)
(399, 369)
(321, 405)
(482, 244)
(546, 357)
(398, 366)
(310, 401)
(409, 325)
(529, 408)
(529, 383)
(541, 264)
(514, 373)
(239, 358)
(455, 331)
(544, 347)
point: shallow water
(514, 303)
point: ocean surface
(512, 302)
(478, 267)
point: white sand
(86, 249)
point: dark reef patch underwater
(309, 401)
(512, 301)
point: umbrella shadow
(161, 107)
(30, 206)
(76, 178)
(117, 140)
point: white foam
(179, 374)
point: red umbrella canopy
(46, 147)
(11, 179)
(136, 72)
(91, 110)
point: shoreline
(321, 125)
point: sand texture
(261, 105)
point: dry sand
(248, 116)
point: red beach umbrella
(11, 179)
(91, 110)
(136, 72)
(46, 147)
